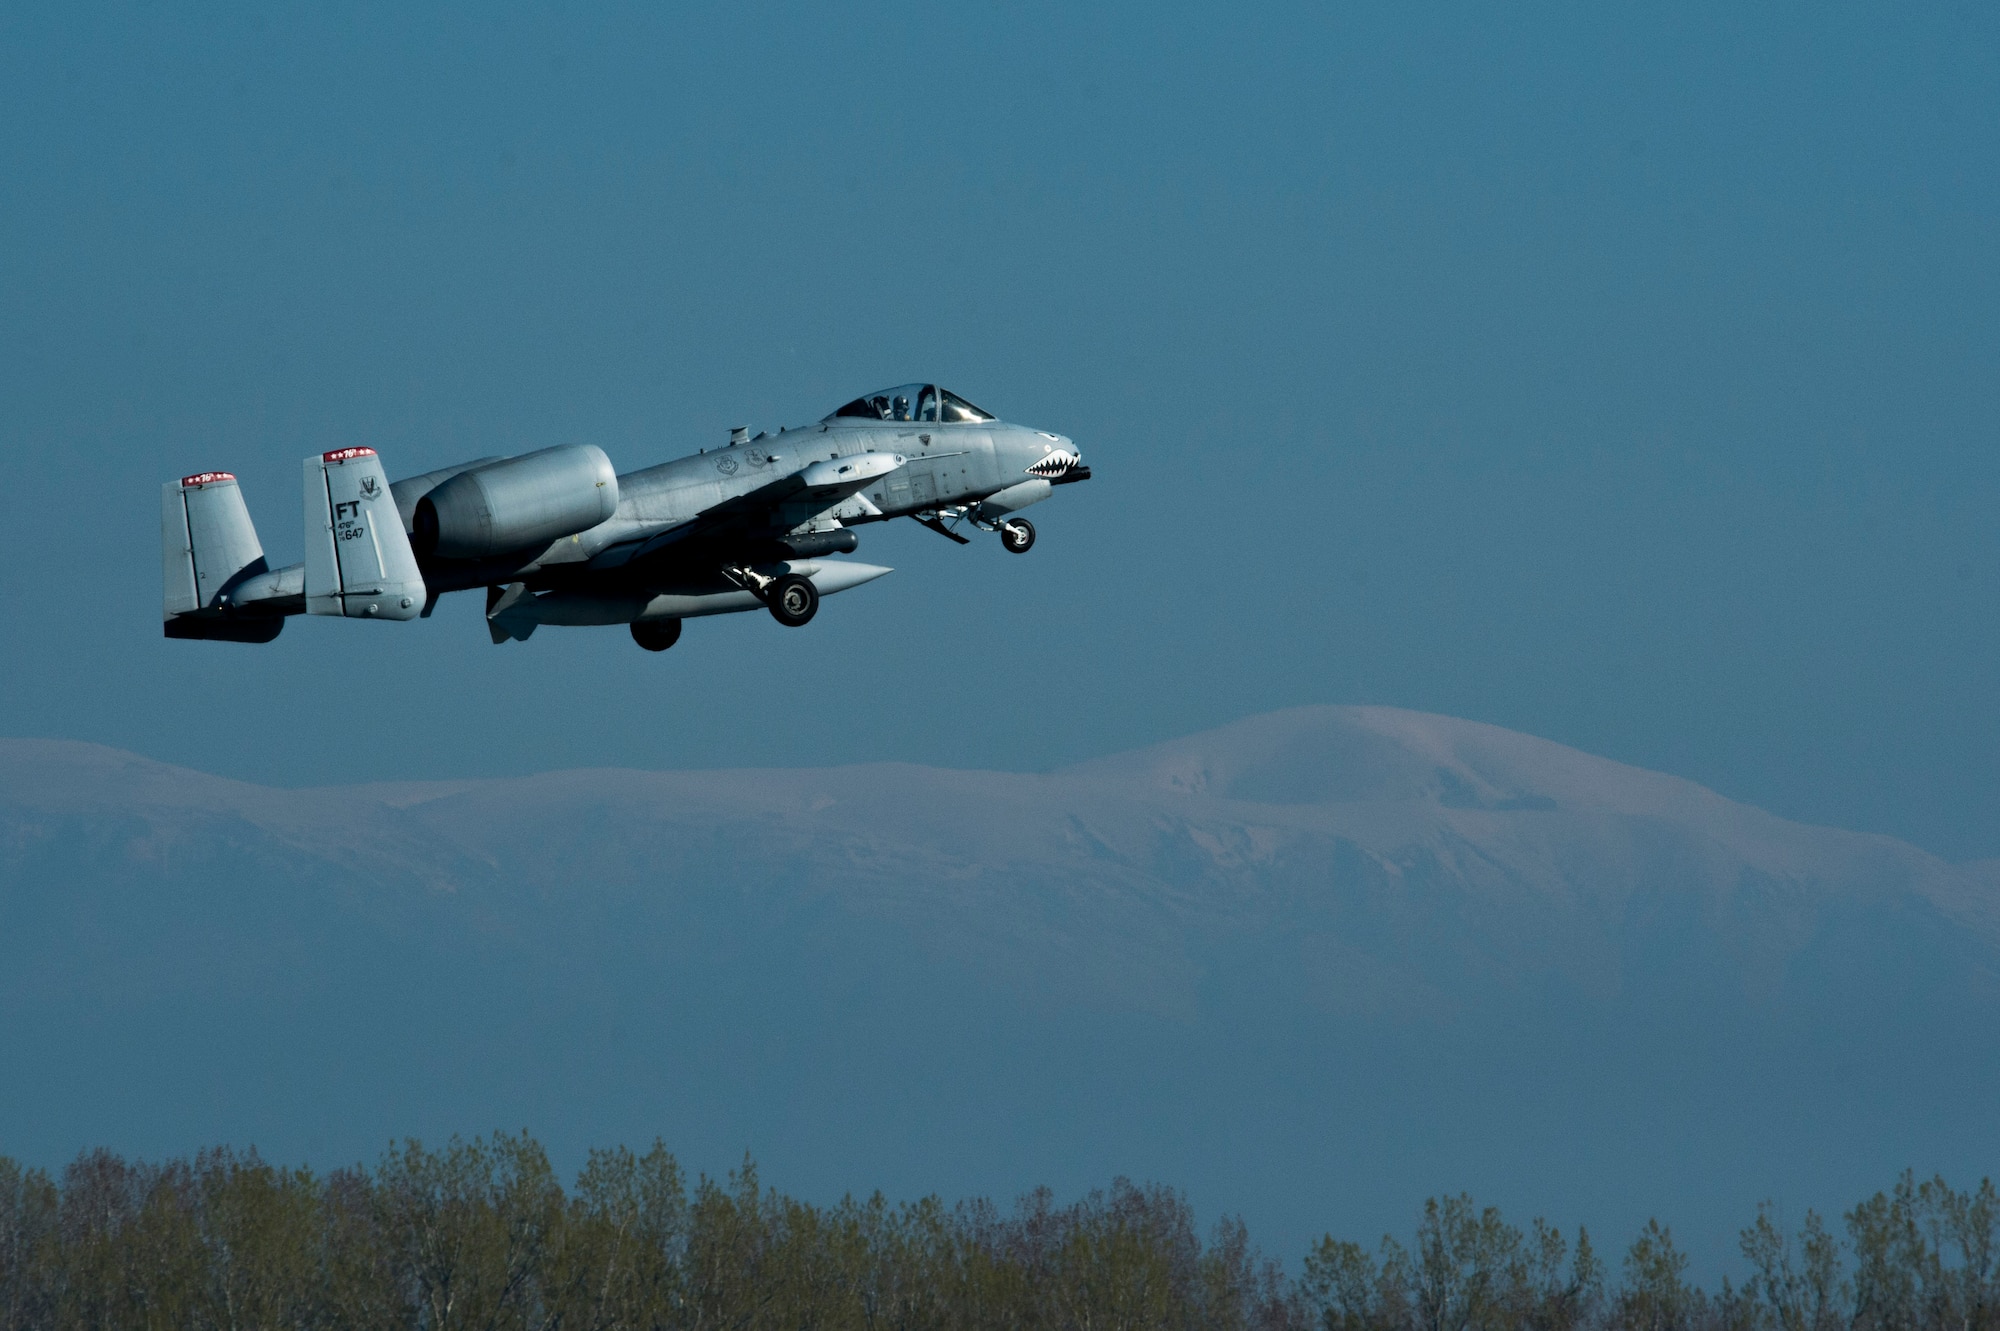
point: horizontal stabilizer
(358, 558)
(226, 628)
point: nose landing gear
(1017, 535)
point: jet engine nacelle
(516, 503)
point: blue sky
(1626, 377)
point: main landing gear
(656, 635)
(793, 600)
(1017, 536)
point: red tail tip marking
(343, 454)
(205, 478)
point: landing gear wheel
(1017, 535)
(792, 599)
(656, 635)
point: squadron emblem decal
(726, 465)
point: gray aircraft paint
(527, 612)
(207, 540)
(706, 534)
(358, 559)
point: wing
(766, 512)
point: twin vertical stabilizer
(207, 541)
(358, 558)
(209, 552)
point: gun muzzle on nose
(1079, 472)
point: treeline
(1921, 1257)
(482, 1234)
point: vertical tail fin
(207, 547)
(358, 558)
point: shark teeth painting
(1055, 464)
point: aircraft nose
(1064, 464)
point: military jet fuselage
(557, 537)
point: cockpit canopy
(913, 402)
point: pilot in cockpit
(933, 405)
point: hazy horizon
(1311, 968)
(1084, 763)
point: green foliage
(482, 1235)
(1656, 1295)
(1926, 1257)
(1470, 1271)
(1795, 1286)
(29, 1246)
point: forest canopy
(482, 1234)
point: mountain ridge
(1345, 945)
(1456, 783)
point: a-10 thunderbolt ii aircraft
(556, 537)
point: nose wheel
(1017, 536)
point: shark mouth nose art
(1055, 464)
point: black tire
(793, 600)
(656, 635)
(1017, 536)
